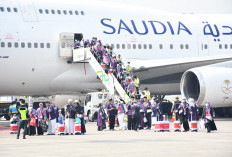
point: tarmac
(120, 143)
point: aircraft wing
(169, 71)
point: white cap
(76, 101)
(69, 100)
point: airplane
(188, 54)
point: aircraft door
(203, 46)
(28, 10)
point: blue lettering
(145, 27)
(184, 28)
(154, 29)
(121, 24)
(171, 29)
(107, 25)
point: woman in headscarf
(101, 118)
(80, 114)
(193, 110)
(208, 114)
(41, 116)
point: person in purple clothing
(129, 113)
(193, 110)
(52, 119)
(148, 112)
(142, 113)
(111, 110)
(121, 113)
(41, 116)
(135, 115)
(101, 118)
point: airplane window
(53, 11)
(171, 46)
(150, 46)
(48, 45)
(9, 44)
(35, 45)
(206, 46)
(145, 46)
(128, 46)
(58, 11)
(8, 9)
(2, 9)
(76, 12)
(181, 46)
(40, 11)
(29, 45)
(2, 44)
(16, 45)
(41, 45)
(22, 45)
(70, 12)
(112, 46)
(123, 46)
(187, 46)
(230, 46)
(15, 10)
(134, 46)
(118, 46)
(82, 13)
(47, 11)
(220, 46)
(226, 46)
(139, 46)
(65, 12)
(161, 46)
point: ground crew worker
(175, 106)
(119, 60)
(128, 68)
(13, 108)
(147, 94)
(136, 83)
(23, 116)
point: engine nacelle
(208, 83)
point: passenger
(80, 114)
(119, 72)
(111, 112)
(69, 113)
(148, 112)
(109, 50)
(93, 41)
(147, 93)
(136, 83)
(87, 43)
(158, 110)
(52, 119)
(129, 113)
(175, 106)
(183, 110)
(193, 110)
(77, 44)
(101, 118)
(32, 122)
(23, 116)
(41, 116)
(113, 65)
(121, 114)
(14, 119)
(32, 125)
(142, 114)
(47, 104)
(135, 115)
(106, 60)
(124, 74)
(13, 109)
(56, 112)
(207, 115)
(131, 89)
(119, 60)
(128, 69)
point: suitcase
(61, 129)
(159, 126)
(177, 126)
(193, 125)
(166, 126)
(13, 128)
(77, 128)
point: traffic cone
(173, 117)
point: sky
(183, 6)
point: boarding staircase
(110, 82)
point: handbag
(145, 120)
(125, 119)
(202, 124)
(33, 122)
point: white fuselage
(40, 71)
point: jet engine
(208, 83)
